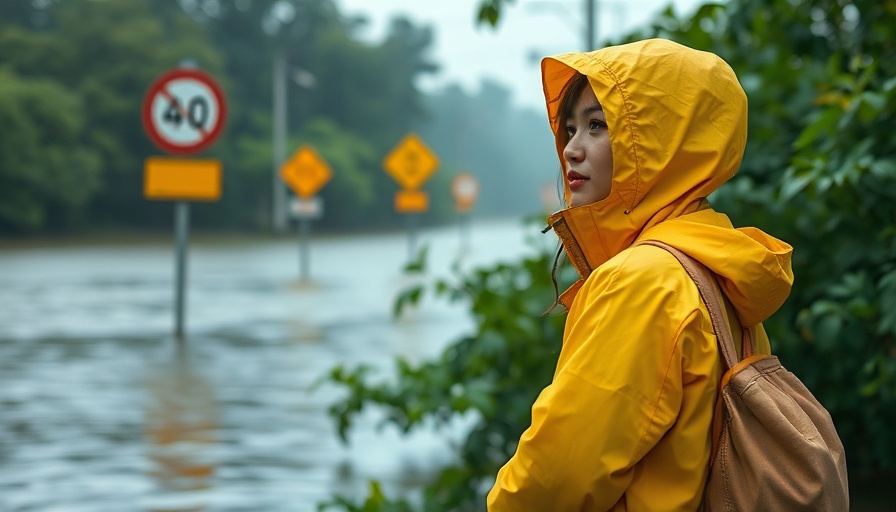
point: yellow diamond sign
(306, 172)
(411, 163)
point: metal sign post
(411, 203)
(305, 210)
(181, 235)
(183, 113)
(463, 222)
(304, 249)
(412, 236)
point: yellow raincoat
(626, 422)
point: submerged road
(98, 412)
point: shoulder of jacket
(644, 262)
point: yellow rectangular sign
(182, 179)
(411, 201)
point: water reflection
(180, 430)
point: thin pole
(412, 236)
(278, 203)
(181, 234)
(465, 232)
(590, 25)
(304, 248)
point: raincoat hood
(677, 120)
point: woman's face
(589, 161)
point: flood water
(99, 412)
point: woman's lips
(575, 179)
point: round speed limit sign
(465, 188)
(184, 111)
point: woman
(645, 132)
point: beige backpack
(774, 447)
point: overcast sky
(529, 30)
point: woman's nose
(573, 153)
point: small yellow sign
(411, 201)
(182, 179)
(306, 172)
(411, 163)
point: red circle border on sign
(158, 85)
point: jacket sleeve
(616, 391)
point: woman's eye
(597, 124)
(570, 131)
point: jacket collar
(594, 233)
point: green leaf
(870, 388)
(479, 394)
(793, 185)
(871, 106)
(408, 297)
(418, 264)
(883, 168)
(823, 122)
(489, 13)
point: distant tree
(46, 171)
(101, 56)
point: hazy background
(468, 53)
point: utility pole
(590, 25)
(278, 190)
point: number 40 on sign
(184, 111)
